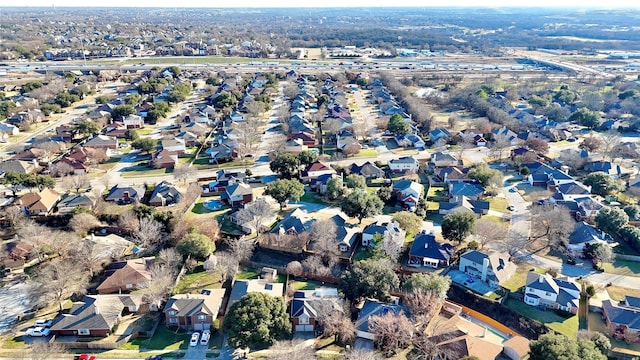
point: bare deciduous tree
(128, 221)
(323, 240)
(60, 169)
(362, 354)
(44, 350)
(58, 279)
(248, 136)
(392, 331)
(83, 222)
(315, 265)
(256, 214)
(499, 146)
(150, 233)
(227, 265)
(609, 140)
(332, 314)
(161, 280)
(487, 231)
(169, 257)
(294, 268)
(332, 126)
(513, 243)
(183, 173)
(552, 223)
(241, 248)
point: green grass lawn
(519, 278)
(436, 191)
(622, 267)
(198, 280)
(138, 170)
(313, 198)
(568, 327)
(618, 293)
(435, 217)
(367, 153)
(227, 226)
(499, 204)
(247, 273)
(163, 339)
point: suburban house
(368, 170)
(124, 195)
(126, 276)
(237, 194)
(555, 293)
(164, 194)
(425, 251)
(249, 227)
(194, 312)
(18, 166)
(506, 134)
(295, 146)
(408, 193)
(460, 337)
(190, 139)
(244, 287)
(306, 304)
(451, 174)
(606, 167)
(109, 246)
(516, 348)
(39, 203)
(102, 142)
(174, 145)
(133, 122)
(316, 169)
(390, 230)
(588, 207)
(439, 134)
(9, 129)
(440, 159)
(221, 153)
(623, 318)
(346, 234)
(371, 308)
(405, 163)
(320, 183)
(477, 207)
(164, 159)
(493, 268)
(70, 202)
(96, 315)
(546, 176)
(584, 234)
(570, 191)
(78, 166)
(460, 190)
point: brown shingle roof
(134, 272)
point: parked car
(155, 357)
(43, 323)
(511, 207)
(38, 331)
(195, 337)
(85, 357)
(206, 335)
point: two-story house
(408, 193)
(493, 268)
(426, 251)
(405, 163)
(555, 293)
(306, 305)
(238, 194)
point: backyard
(197, 280)
(519, 278)
(566, 326)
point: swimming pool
(212, 204)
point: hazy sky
(327, 3)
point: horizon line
(442, 6)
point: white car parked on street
(38, 331)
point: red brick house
(194, 311)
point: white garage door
(201, 326)
(304, 328)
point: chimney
(484, 332)
(426, 245)
(485, 269)
(96, 309)
(540, 279)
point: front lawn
(198, 280)
(141, 170)
(162, 339)
(622, 267)
(566, 326)
(367, 153)
(617, 293)
(313, 198)
(498, 204)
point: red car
(85, 357)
